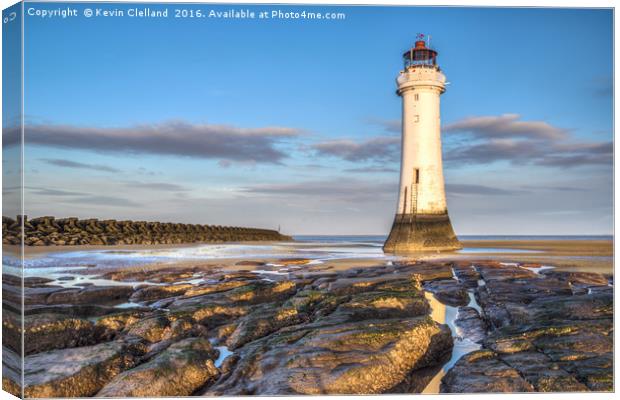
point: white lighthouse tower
(421, 222)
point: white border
(478, 3)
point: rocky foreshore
(49, 231)
(294, 328)
(546, 331)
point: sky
(296, 123)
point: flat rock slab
(91, 295)
(55, 331)
(261, 292)
(448, 291)
(483, 372)
(159, 326)
(31, 295)
(385, 302)
(180, 370)
(545, 335)
(11, 372)
(466, 274)
(492, 272)
(76, 372)
(159, 275)
(214, 288)
(561, 309)
(330, 357)
(71, 310)
(579, 278)
(470, 325)
(160, 292)
(544, 374)
(427, 271)
(262, 322)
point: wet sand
(567, 255)
(38, 251)
(555, 247)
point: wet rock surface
(482, 372)
(56, 331)
(448, 291)
(545, 332)
(471, 324)
(75, 372)
(90, 295)
(330, 356)
(311, 330)
(179, 370)
(307, 331)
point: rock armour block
(49, 231)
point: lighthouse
(421, 223)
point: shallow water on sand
(475, 250)
(316, 251)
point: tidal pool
(445, 314)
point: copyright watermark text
(183, 13)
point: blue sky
(295, 123)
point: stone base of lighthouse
(418, 233)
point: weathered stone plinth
(417, 233)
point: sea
(381, 238)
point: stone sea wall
(50, 231)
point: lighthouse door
(414, 190)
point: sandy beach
(568, 255)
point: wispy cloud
(371, 170)
(42, 191)
(602, 86)
(163, 186)
(506, 126)
(483, 140)
(145, 171)
(389, 125)
(106, 201)
(542, 153)
(574, 155)
(507, 138)
(555, 188)
(478, 190)
(81, 198)
(175, 138)
(342, 189)
(78, 165)
(382, 148)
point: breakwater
(51, 231)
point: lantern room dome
(420, 55)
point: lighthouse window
(416, 118)
(416, 97)
(417, 175)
